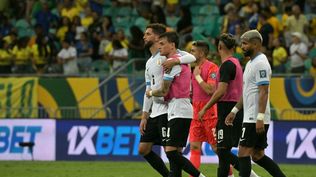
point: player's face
(247, 48)
(149, 37)
(165, 47)
(195, 51)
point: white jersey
(257, 72)
(178, 107)
(154, 79)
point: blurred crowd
(74, 37)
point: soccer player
(176, 91)
(153, 125)
(255, 102)
(203, 86)
(228, 92)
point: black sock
(189, 167)
(245, 166)
(175, 163)
(234, 161)
(156, 162)
(269, 165)
(224, 162)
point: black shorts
(178, 132)
(249, 137)
(156, 130)
(228, 136)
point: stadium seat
(195, 10)
(100, 67)
(141, 22)
(124, 11)
(198, 20)
(206, 10)
(122, 22)
(172, 21)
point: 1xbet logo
(300, 141)
(103, 140)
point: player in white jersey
(176, 91)
(255, 102)
(153, 127)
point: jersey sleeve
(147, 80)
(147, 102)
(186, 58)
(211, 79)
(174, 71)
(262, 73)
(227, 71)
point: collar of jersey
(259, 53)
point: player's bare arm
(186, 58)
(143, 122)
(218, 94)
(207, 87)
(231, 116)
(263, 99)
(163, 91)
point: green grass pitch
(119, 169)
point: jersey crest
(263, 73)
(213, 75)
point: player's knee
(195, 147)
(257, 155)
(143, 150)
(244, 151)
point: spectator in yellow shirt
(70, 10)
(63, 29)
(40, 54)
(279, 56)
(22, 57)
(5, 58)
(87, 18)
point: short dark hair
(228, 40)
(157, 28)
(171, 37)
(202, 46)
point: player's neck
(255, 54)
(200, 61)
(171, 54)
(225, 56)
(154, 48)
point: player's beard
(248, 53)
(148, 44)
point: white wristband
(234, 110)
(198, 78)
(260, 116)
(150, 93)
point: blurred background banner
(18, 97)
(40, 132)
(295, 141)
(293, 98)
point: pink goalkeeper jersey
(234, 89)
(208, 74)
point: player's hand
(169, 63)
(148, 94)
(230, 119)
(142, 126)
(260, 127)
(196, 71)
(201, 114)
